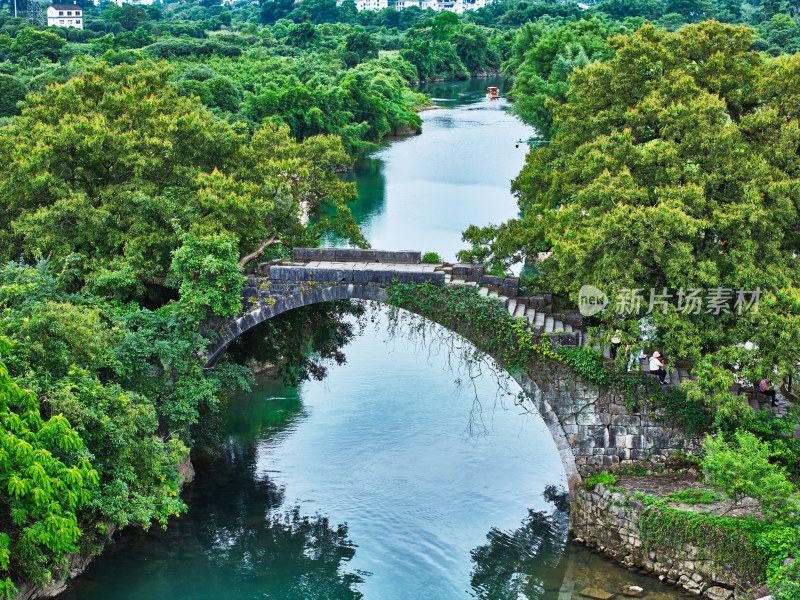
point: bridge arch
(592, 427)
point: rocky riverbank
(642, 523)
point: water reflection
(371, 187)
(525, 563)
(239, 539)
(364, 485)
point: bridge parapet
(356, 255)
(356, 272)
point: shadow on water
(371, 187)
(238, 539)
(526, 562)
(537, 561)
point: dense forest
(147, 158)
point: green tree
(127, 379)
(37, 45)
(691, 10)
(348, 12)
(542, 60)
(303, 35)
(743, 469)
(224, 93)
(671, 21)
(132, 17)
(363, 44)
(472, 47)
(274, 10)
(12, 90)
(209, 274)
(670, 169)
(45, 481)
(124, 163)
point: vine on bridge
(498, 334)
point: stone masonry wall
(608, 521)
(600, 430)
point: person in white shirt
(657, 367)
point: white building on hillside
(369, 4)
(456, 6)
(134, 2)
(65, 15)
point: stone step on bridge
(592, 427)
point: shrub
(601, 477)
(743, 468)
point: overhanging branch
(264, 245)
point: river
(421, 192)
(388, 480)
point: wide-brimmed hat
(656, 354)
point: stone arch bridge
(591, 426)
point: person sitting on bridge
(657, 367)
(766, 389)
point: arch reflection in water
(378, 446)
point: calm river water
(386, 481)
(421, 192)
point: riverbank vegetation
(129, 213)
(146, 159)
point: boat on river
(492, 93)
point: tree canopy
(118, 171)
(674, 167)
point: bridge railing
(357, 273)
(356, 255)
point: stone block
(568, 339)
(588, 418)
(347, 255)
(542, 301)
(510, 286)
(309, 254)
(716, 592)
(574, 319)
(462, 269)
(398, 256)
(492, 280)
